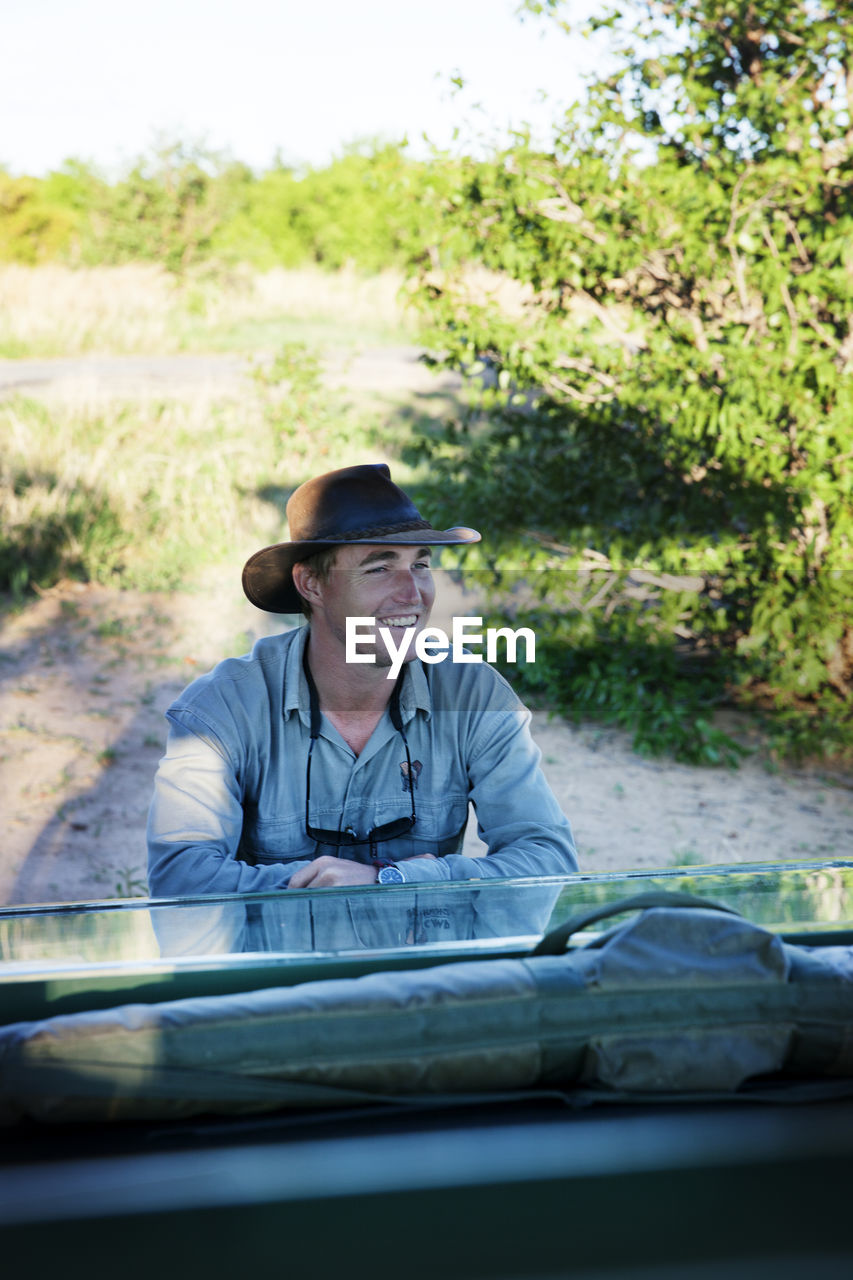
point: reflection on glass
(346, 921)
(779, 896)
(281, 924)
(461, 918)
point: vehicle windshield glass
(465, 919)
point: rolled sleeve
(518, 817)
(196, 819)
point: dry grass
(142, 495)
(116, 491)
(367, 301)
(54, 310)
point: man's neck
(347, 689)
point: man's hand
(326, 872)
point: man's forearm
(546, 859)
(178, 869)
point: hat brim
(268, 574)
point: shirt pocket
(267, 841)
(439, 828)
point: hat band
(376, 531)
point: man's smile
(399, 620)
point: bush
(671, 393)
(182, 206)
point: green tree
(33, 228)
(668, 447)
(166, 209)
(362, 209)
(182, 207)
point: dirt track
(74, 378)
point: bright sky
(101, 80)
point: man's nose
(407, 587)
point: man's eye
(423, 564)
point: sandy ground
(86, 674)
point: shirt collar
(296, 696)
(414, 696)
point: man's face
(392, 585)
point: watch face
(390, 875)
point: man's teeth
(408, 620)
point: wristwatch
(390, 875)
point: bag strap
(554, 942)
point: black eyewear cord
(349, 837)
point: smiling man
(296, 767)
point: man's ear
(307, 583)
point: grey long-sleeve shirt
(228, 813)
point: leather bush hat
(351, 506)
